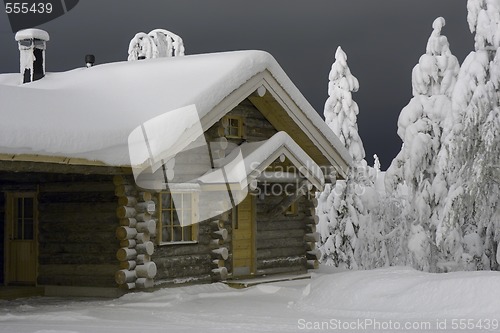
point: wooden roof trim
(298, 116)
(41, 163)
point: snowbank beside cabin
(399, 295)
(405, 292)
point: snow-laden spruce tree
(412, 174)
(472, 204)
(343, 207)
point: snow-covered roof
(88, 113)
(32, 34)
(256, 156)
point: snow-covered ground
(384, 300)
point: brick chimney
(32, 43)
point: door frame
(10, 197)
(253, 251)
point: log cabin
(108, 183)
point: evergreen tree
(471, 208)
(420, 126)
(341, 208)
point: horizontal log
(316, 219)
(146, 207)
(122, 180)
(281, 262)
(220, 273)
(86, 249)
(264, 218)
(145, 196)
(281, 270)
(75, 236)
(220, 234)
(313, 255)
(221, 253)
(76, 197)
(147, 227)
(180, 272)
(128, 222)
(310, 211)
(163, 262)
(125, 212)
(128, 265)
(216, 225)
(147, 270)
(142, 259)
(74, 209)
(125, 190)
(310, 246)
(218, 263)
(78, 258)
(274, 234)
(78, 187)
(77, 280)
(144, 283)
(216, 243)
(97, 270)
(143, 217)
(130, 243)
(279, 242)
(285, 224)
(127, 286)
(126, 254)
(123, 233)
(145, 248)
(142, 238)
(125, 276)
(310, 228)
(312, 264)
(127, 201)
(185, 249)
(280, 252)
(312, 237)
(81, 218)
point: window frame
(161, 224)
(240, 128)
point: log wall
(77, 223)
(285, 243)
(202, 262)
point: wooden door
(21, 239)
(244, 238)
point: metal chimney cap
(32, 34)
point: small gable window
(233, 127)
(292, 209)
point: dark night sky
(383, 40)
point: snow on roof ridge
(84, 109)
